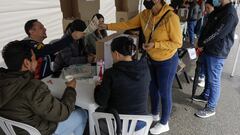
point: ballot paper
(192, 53)
(93, 25)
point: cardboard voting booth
(103, 48)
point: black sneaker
(200, 98)
(205, 113)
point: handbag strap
(144, 54)
(150, 37)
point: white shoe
(201, 84)
(156, 117)
(159, 128)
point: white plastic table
(85, 95)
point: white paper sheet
(93, 25)
(192, 53)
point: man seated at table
(28, 100)
(36, 34)
(125, 86)
(76, 52)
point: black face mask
(148, 4)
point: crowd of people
(127, 85)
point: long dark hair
(103, 32)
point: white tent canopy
(15, 13)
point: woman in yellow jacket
(162, 50)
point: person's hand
(103, 26)
(71, 83)
(98, 82)
(199, 51)
(148, 46)
(77, 35)
(91, 58)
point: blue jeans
(162, 76)
(191, 26)
(202, 70)
(213, 71)
(74, 124)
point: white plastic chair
(7, 126)
(126, 128)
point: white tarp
(14, 14)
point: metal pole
(236, 58)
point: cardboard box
(88, 9)
(66, 21)
(127, 5)
(103, 48)
(70, 8)
(122, 16)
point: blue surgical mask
(216, 3)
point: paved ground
(227, 119)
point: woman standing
(164, 40)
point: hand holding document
(93, 25)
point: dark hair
(98, 16)
(14, 54)
(76, 25)
(124, 45)
(29, 25)
(210, 2)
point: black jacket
(44, 53)
(125, 88)
(75, 53)
(217, 37)
(29, 101)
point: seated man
(36, 34)
(28, 100)
(76, 52)
(125, 86)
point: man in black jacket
(216, 39)
(36, 34)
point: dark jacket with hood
(75, 53)
(217, 36)
(44, 53)
(29, 101)
(125, 88)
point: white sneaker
(156, 117)
(159, 128)
(201, 84)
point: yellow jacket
(167, 37)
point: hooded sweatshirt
(167, 37)
(29, 101)
(125, 88)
